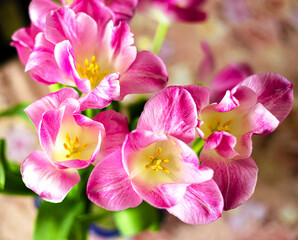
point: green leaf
(16, 111)
(11, 179)
(56, 220)
(61, 220)
(134, 220)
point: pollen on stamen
(91, 71)
(155, 162)
(74, 147)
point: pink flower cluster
(88, 45)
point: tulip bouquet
(187, 150)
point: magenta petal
(64, 57)
(80, 29)
(43, 64)
(38, 11)
(228, 78)
(274, 91)
(223, 143)
(101, 96)
(50, 183)
(116, 128)
(50, 102)
(201, 204)
(264, 121)
(23, 41)
(161, 196)
(109, 185)
(235, 178)
(207, 65)
(171, 111)
(188, 14)
(124, 10)
(124, 53)
(95, 9)
(147, 74)
(49, 129)
(199, 94)
(76, 163)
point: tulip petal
(42, 63)
(116, 129)
(274, 91)
(199, 94)
(223, 143)
(109, 185)
(38, 11)
(161, 196)
(228, 78)
(207, 65)
(146, 74)
(80, 29)
(96, 10)
(235, 178)
(50, 183)
(49, 129)
(264, 121)
(50, 102)
(101, 96)
(171, 111)
(201, 204)
(23, 41)
(124, 54)
(124, 9)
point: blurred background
(260, 33)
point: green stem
(198, 145)
(159, 37)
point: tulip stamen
(221, 127)
(91, 71)
(155, 162)
(73, 147)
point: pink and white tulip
(155, 165)
(24, 38)
(123, 10)
(174, 10)
(94, 55)
(69, 141)
(257, 105)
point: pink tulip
(156, 165)
(94, 55)
(257, 105)
(70, 141)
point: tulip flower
(24, 38)
(257, 105)
(70, 141)
(156, 165)
(95, 56)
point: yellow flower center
(219, 126)
(68, 2)
(155, 162)
(91, 71)
(73, 147)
